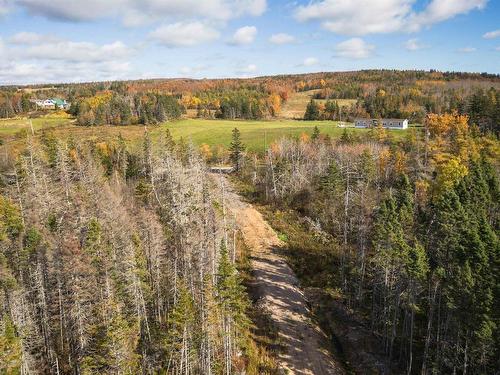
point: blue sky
(66, 41)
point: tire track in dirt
(303, 343)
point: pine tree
(316, 133)
(231, 294)
(331, 182)
(346, 137)
(236, 148)
(179, 343)
(232, 302)
(168, 142)
(312, 111)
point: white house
(48, 104)
(388, 123)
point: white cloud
(244, 35)
(491, 34)
(354, 48)
(413, 44)
(281, 38)
(441, 10)
(467, 49)
(37, 58)
(25, 37)
(310, 61)
(78, 51)
(381, 16)
(3, 52)
(356, 17)
(27, 72)
(184, 34)
(497, 48)
(144, 10)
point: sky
(46, 41)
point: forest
(122, 256)
(408, 232)
(114, 262)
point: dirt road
(280, 294)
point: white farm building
(388, 123)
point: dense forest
(119, 263)
(409, 231)
(109, 108)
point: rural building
(388, 123)
(50, 103)
(60, 103)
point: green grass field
(13, 127)
(256, 135)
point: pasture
(17, 126)
(295, 106)
(256, 135)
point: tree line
(115, 109)
(482, 106)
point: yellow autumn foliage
(274, 102)
(304, 138)
(206, 151)
(103, 148)
(449, 173)
(97, 100)
(400, 160)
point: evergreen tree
(236, 148)
(312, 111)
(168, 142)
(232, 302)
(346, 136)
(316, 133)
(181, 326)
(231, 294)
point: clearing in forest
(304, 345)
(295, 106)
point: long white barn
(388, 123)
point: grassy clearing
(256, 135)
(12, 127)
(296, 105)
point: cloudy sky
(81, 40)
